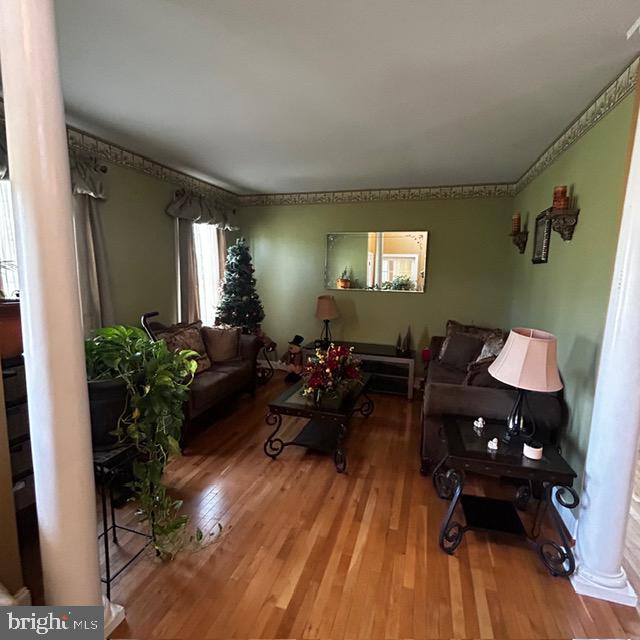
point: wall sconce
(519, 236)
(563, 219)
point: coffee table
(326, 428)
(552, 475)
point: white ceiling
(302, 95)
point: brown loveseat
(216, 381)
(473, 393)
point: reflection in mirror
(377, 261)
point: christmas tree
(240, 304)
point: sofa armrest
(435, 346)
(250, 346)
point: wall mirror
(377, 261)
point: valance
(188, 205)
(86, 176)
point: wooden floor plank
(308, 553)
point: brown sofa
(222, 379)
(447, 392)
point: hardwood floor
(307, 553)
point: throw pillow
(492, 345)
(494, 337)
(187, 336)
(222, 343)
(461, 350)
(478, 375)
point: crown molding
(619, 89)
(609, 98)
(378, 195)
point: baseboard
(23, 597)
(279, 366)
(567, 516)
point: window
(399, 265)
(205, 239)
(8, 257)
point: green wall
(568, 295)
(140, 244)
(466, 278)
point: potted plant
(399, 283)
(10, 329)
(344, 281)
(330, 376)
(138, 387)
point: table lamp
(527, 362)
(326, 310)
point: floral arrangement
(330, 372)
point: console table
(390, 372)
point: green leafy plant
(157, 382)
(399, 283)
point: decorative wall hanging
(541, 239)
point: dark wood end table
(326, 429)
(468, 452)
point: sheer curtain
(91, 258)
(206, 247)
(8, 258)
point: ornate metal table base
(556, 556)
(325, 433)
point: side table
(107, 465)
(468, 452)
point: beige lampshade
(528, 361)
(326, 308)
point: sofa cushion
(222, 343)
(187, 336)
(461, 350)
(493, 338)
(215, 384)
(439, 372)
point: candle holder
(520, 240)
(564, 221)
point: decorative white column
(51, 324)
(615, 423)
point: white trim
(621, 593)
(114, 615)
(567, 516)
(22, 597)
(279, 366)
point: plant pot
(10, 329)
(343, 283)
(107, 399)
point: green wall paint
(466, 279)
(140, 245)
(568, 296)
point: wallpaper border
(615, 92)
